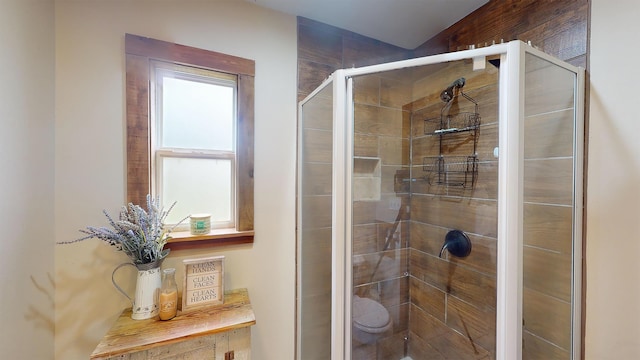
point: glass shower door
(314, 227)
(424, 167)
(549, 208)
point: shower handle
(457, 243)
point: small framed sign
(203, 282)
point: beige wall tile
(478, 325)
(318, 112)
(426, 238)
(395, 94)
(547, 88)
(429, 239)
(366, 90)
(470, 215)
(444, 340)
(379, 121)
(392, 174)
(365, 145)
(420, 349)
(316, 327)
(317, 146)
(390, 264)
(547, 317)
(428, 298)
(316, 212)
(470, 286)
(549, 227)
(364, 212)
(391, 347)
(394, 292)
(549, 135)
(535, 348)
(394, 151)
(365, 239)
(316, 179)
(547, 272)
(548, 181)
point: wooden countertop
(128, 335)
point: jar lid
(200, 216)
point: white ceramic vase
(145, 303)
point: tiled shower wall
(452, 311)
(323, 49)
(453, 300)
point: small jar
(200, 224)
(168, 295)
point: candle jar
(200, 224)
(168, 295)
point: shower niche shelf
(458, 170)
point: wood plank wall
(323, 48)
(559, 28)
(453, 300)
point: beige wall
(613, 189)
(89, 158)
(26, 185)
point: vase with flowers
(141, 234)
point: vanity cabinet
(221, 332)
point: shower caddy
(453, 170)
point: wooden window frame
(139, 52)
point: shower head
(447, 94)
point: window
(190, 136)
(193, 123)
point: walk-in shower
(440, 209)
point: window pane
(197, 115)
(198, 186)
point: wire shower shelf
(451, 170)
(448, 169)
(445, 124)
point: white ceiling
(404, 23)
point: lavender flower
(138, 233)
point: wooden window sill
(216, 237)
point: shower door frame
(509, 270)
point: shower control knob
(458, 244)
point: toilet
(371, 320)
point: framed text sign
(203, 282)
